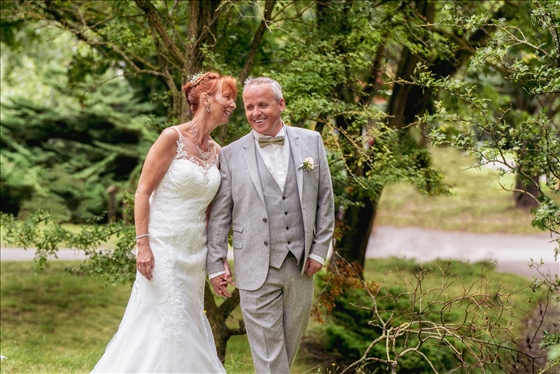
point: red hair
(208, 83)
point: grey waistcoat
(284, 214)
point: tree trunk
(257, 38)
(202, 31)
(526, 191)
(218, 315)
(359, 223)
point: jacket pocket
(237, 242)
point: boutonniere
(308, 164)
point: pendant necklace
(203, 155)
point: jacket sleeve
(324, 222)
(220, 221)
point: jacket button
(266, 244)
(287, 228)
(265, 220)
(285, 213)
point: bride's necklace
(203, 155)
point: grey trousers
(276, 316)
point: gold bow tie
(263, 142)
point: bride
(164, 328)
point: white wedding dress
(164, 328)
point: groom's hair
(265, 80)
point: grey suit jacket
(239, 205)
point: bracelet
(142, 236)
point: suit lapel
(250, 154)
(297, 154)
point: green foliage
(425, 318)
(552, 342)
(62, 157)
(504, 111)
(45, 235)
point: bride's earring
(208, 107)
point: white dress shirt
(276, 157)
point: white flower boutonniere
(308, 164)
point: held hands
(221, 282)
(312, 266)
(145, 259)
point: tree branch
(267, 15)
(153, 19)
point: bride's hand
(145, 260)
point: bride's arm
(155, 166)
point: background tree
(61, 149)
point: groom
(276, 196)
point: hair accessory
(196, 76)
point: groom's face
(262, 109)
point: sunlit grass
(478, 202)
(54, 322)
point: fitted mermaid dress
(164, 328)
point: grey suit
(276, 296)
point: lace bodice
(189, 151)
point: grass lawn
(54, 322)
(478, 202)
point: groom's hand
(312, 266)
(220, 283)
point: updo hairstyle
(208, 83)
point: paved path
(511, 252)
(18, 254)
